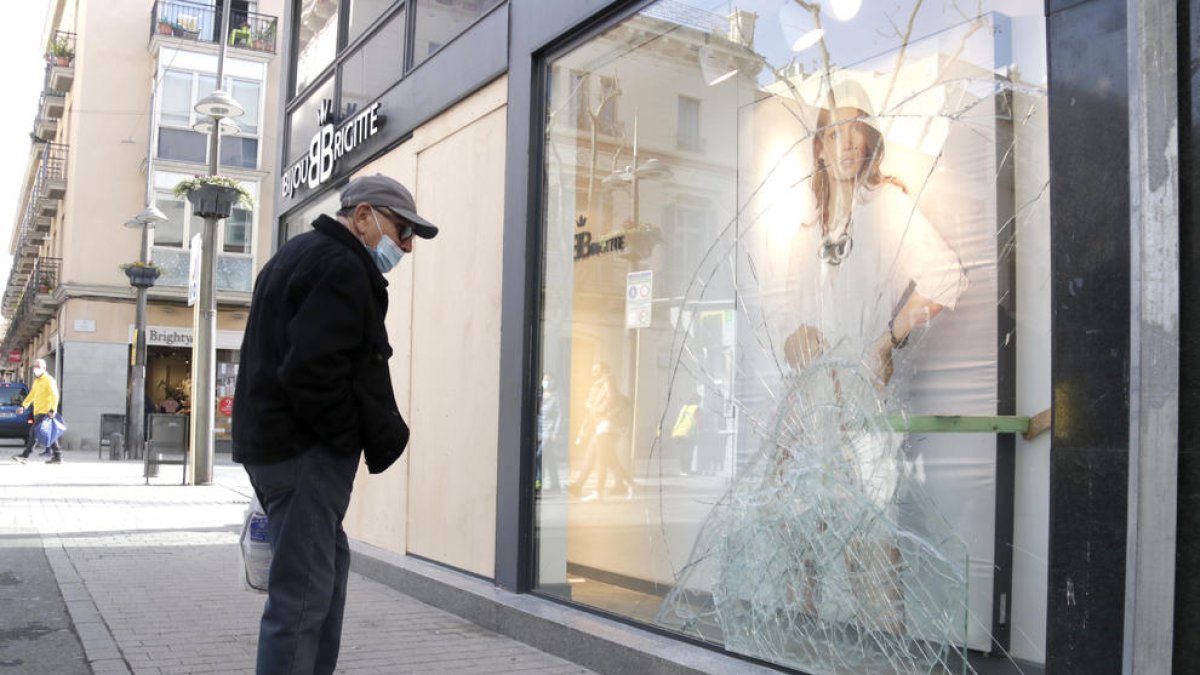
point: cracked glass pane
(786, 249)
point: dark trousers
(30, 440)
(305, 499)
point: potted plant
(62, 52)
(45, 282)
(141, 274)
(267, 36)
(213, 196)
(165, 27)
(639, 239)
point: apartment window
(687, 117)
(236, 238)
(174, 208)
(173, 239)
(176, 139)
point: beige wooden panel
(456, 343)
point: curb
(586, 639)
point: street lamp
(141, 277)
(637, 171)
(218, 107)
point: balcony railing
(51, 183)
(60, 61)
(37, 304)
(189, 21)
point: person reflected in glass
(549, 424)
(607, 418)
(868, 269)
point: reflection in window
(174, 208)
(239, 152)
(302, 123)
(595, 102)
(362, 14)
(770, 254)
(173, 239)
(439, 21)
(688, 124)
(316, 40)
(301, 221)
(176, 106)
(247, 93)
(182, 146)
(238, 225)
(176, 139)
(374, 67)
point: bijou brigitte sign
(328, 145)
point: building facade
(114, 134)
(817, 334)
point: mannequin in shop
(607, 418)
(819, 522)
(866, 271)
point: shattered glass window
(794, 330)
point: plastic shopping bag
(49, 430)
(254, 548)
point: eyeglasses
(403, 227)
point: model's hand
(879, 359)
(803, 346)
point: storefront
(804, 304)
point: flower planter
(165, 29)
(639, 245)
(213, 201)
(62, 60)
(141, 276)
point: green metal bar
(959, 424)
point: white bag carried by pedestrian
(254, 548)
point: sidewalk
(101, 573)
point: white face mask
(386, 253)
(38, 372)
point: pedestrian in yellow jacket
(43, 395)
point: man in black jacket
(313, 395)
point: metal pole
(137, 388)
(204, 367)
(135, 425)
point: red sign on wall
(14, 356)
(225, 406)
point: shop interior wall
(444, 325)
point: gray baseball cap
(380, 190)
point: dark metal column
(1090, 304)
